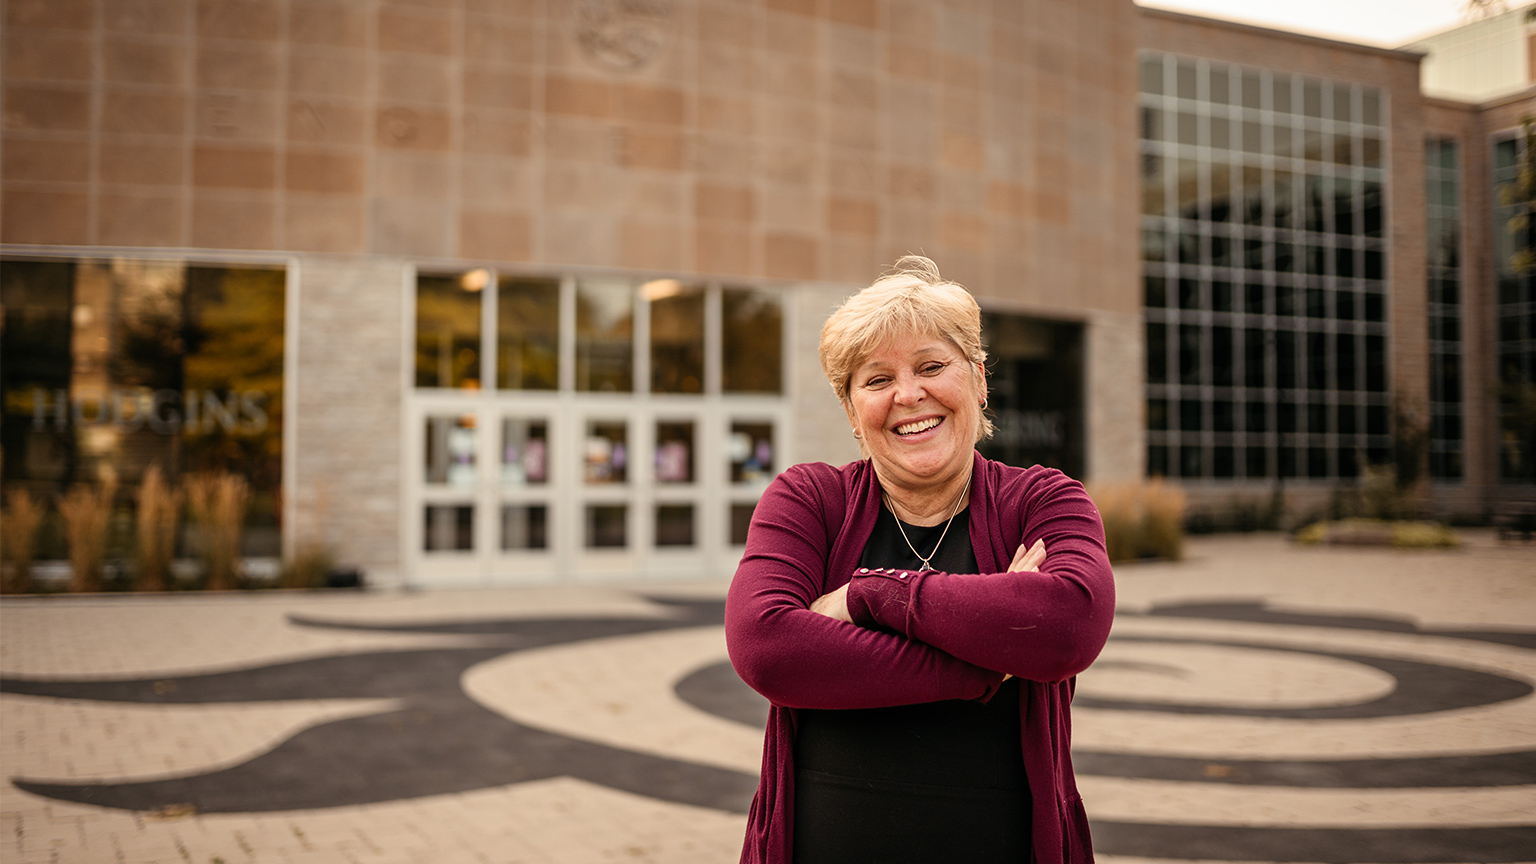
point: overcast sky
(1387, 23)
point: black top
(935, 781)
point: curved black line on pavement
(1406, 845)
(1427, 772)
(1421, 688)
(717, 690)
(1258, 612)
(446, 745)
(439, 741)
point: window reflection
(527, 334)
(751, 452)
(741, 520)
(448, 329)
(524, 452)
(604, 336)
(450, 451)
(449, 527)
(674, 525)
(752, 324)
(677, 336)
(524, 527)
(607, 452)
(606, 526)
(110, 366)
(674, 452)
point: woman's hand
(1028, 560)
(833, 605)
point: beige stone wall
(346, 440)
(793, 139)
(1115, 397)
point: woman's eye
(933, 368)
(879, 381)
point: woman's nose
(909, 390)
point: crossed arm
(881, 640)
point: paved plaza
(1256, 702)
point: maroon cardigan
(954, 635)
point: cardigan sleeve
(802, 659)
(1041, 626)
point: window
(1442, 179)
(622, 423)
(1263, 269)
(110, 366)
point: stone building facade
(782, 149)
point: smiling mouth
(918, 426)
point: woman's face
(916, 401)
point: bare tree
(1477, 10)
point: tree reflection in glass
(604, 336)
(527, 334)
(448, 329)
(677, 336)
(752, 324)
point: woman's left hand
(1028, 560)
(833, 605)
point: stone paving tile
(614, 689)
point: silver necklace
(942, 534)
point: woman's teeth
(918, 426)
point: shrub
(18, 531)
(87, 512)
(309, 566)
(158, 517)
(1141, 520)
(1378, 532)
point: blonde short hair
(912, 298)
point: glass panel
(1258, 462)
(677, 336)
(741, 519)
(524, 452)
(1185, 77)
(674, 525)
(605, 325)
(1152, 75)
(607, 525)
(110, 367)
(527, 334)
(750, 449)
(449, 527)
(752, 341)
(450, 452)
(448, 329)
(674, 452)
(607, 452)
(524, 527)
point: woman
(916, 618)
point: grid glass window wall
(1514, 319)
(1443, 250)
(579, 418)
(1264, 265)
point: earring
(983, 403)
(857, 434)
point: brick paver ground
(1256, 702)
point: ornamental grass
(1141, 520)
(217, 503)
(18, 531)
(159, 517)
(87, 512)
